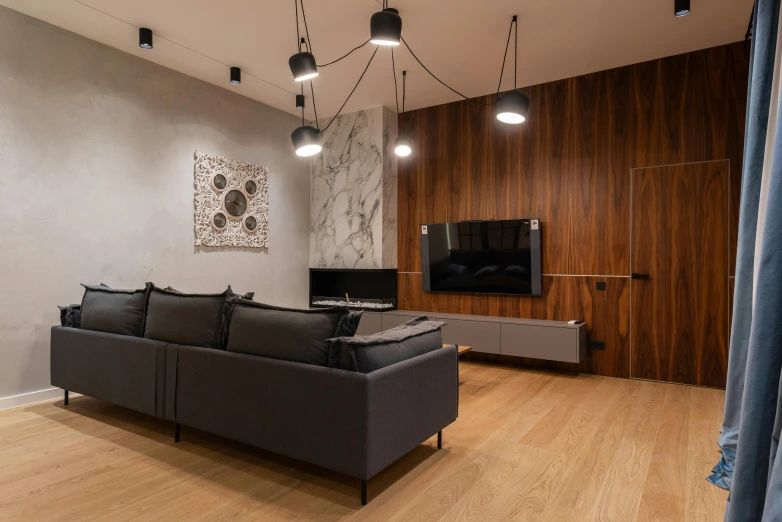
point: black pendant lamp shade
(385, 27)
(681, 7)
(145, 38)
(306, 140)
(512, 107)
(303, 66)
(236, 75)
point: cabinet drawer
(541, 342)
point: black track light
(236, 75)
(145, 38)
(306, 140)
(303, 66)
(512, 107)
(385, 27)
(681, 7)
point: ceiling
(461, 41)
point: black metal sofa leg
(440, 439)
(363, 492)
(66, 397)
(176, 433)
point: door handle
(641, 276)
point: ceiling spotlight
(402, 147)
(681, 7)
(236, 75)
(306, 140)
(512, 107)
(145, 38)
(303, 66)
(385, 27)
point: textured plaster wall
(96, 185)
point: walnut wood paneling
(680, 316)
(569, 165)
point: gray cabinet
(549, 340)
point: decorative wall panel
(231, 203)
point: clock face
(251, 223)
(219, 220)
(250, 187)
(219, 182)
(235, 203)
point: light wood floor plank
(528, 445)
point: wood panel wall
(569, 165)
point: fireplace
(359, 289)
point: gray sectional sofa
(347, 421)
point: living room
(338, 260)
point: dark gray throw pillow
(70, 316)
(188, 319)
(105, 309)
(349, 324)
(283, 333)
(367, 353)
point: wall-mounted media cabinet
(549, 340)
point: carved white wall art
(231, 203)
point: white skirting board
(23, 399)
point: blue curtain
(749, 466)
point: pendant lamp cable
(298, 36)
(515, 50)
(351, 92)
(306, 29)
(396, 91)
(345, 55)
(404, 95)
(504, 57)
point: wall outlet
(597, 345)
(601, 285)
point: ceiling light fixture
(402, 144)
(385, 27)
(306, 140)
(681, 8)
(302, 64)
(236, 75)
(512, 106)
(386, 30)
(145, 38)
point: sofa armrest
(409, 402)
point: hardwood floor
(528, 445)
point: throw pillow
(367, 353)
(105, 309)
(283, 333)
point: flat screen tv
(492, 257)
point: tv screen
(493, 257)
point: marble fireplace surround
(353, 193)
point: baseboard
(23, 399)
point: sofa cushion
(283, 333)
(367, 353)
(109, 310)
(189, 319)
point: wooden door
(680, 314)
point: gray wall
(96, 185)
